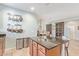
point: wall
(1, 21)
(71, 30)
(29, 25)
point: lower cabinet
(30, 46)
(34, 48)
(54, 51)
(41, 50)
(38, 50)
(0, 52)
(40, 53)
(34, 51)
(2, 45)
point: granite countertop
(48, 44)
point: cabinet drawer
(34, 44)
(41, 48)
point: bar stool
(66, 45)
(66, 48)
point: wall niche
(14, 23)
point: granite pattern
(49, 44)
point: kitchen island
(42, 47)
(2, 43)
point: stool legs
(66, 51)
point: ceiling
(49, 10)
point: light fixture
(32, 8)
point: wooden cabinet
(55, 51)
(40, 53)
(2, 45)
(59, 30)
(34, 51)
(30, 47)
(34, 48)
(39, 50)
(49, 28)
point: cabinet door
(34, 51)
(56, 51)
(1, 52)
(30, 47)
(41, 48)
(40, 53)
(34, 48)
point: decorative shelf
(16, 30)
(14, 23)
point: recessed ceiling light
(32, 8)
